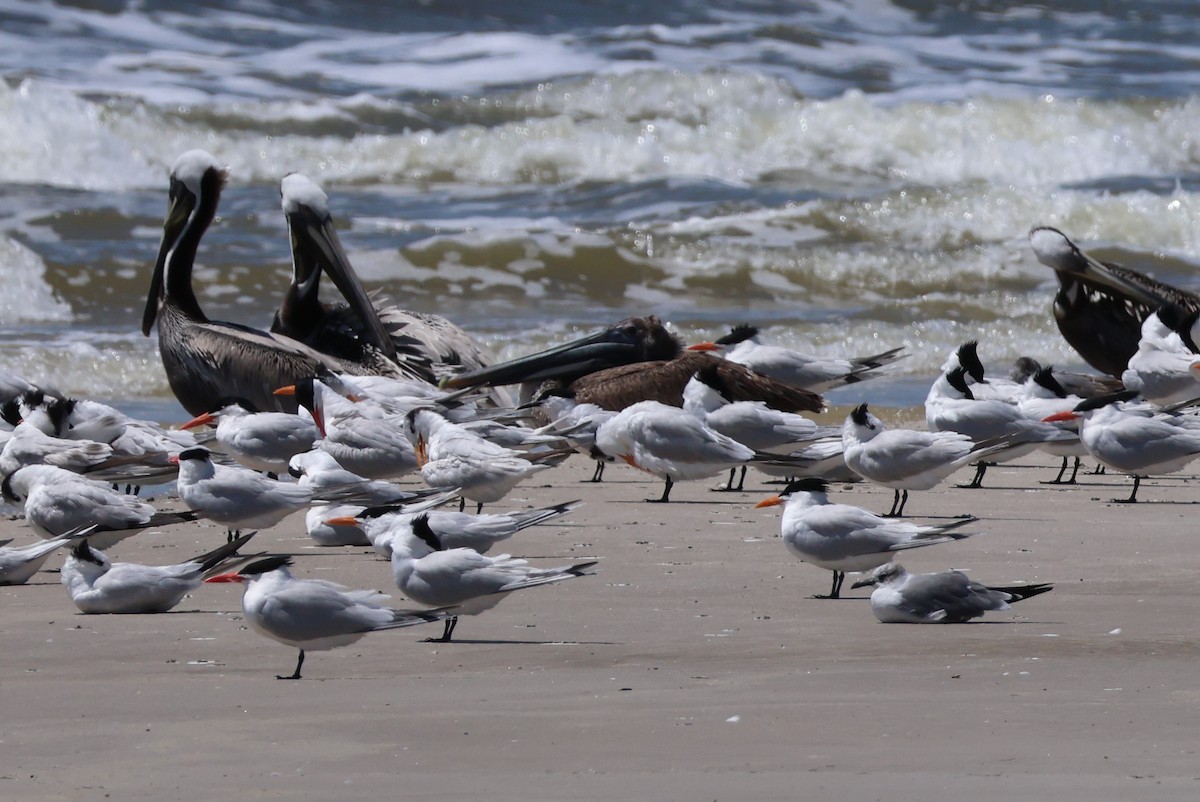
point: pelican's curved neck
(178, 279)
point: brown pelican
(207, 360)
(1100, 306)
(637, 359)
(426, 347)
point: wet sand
(695, 665)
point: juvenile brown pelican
(207, 360)
(637, 359)
(427, 347)
(1100, 306)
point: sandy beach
(694, 665)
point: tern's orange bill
(226, 578)
(207, 419)
(769, 502)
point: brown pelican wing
(625, 385)
(432, 339)
(1103, 329)
(745, 384)
(663, 381)
(208, 361)
(1158, 293)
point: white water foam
(27, 298)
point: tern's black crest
(266, 565)
(378, 511)
(306, 393)
(10, 410)
(231, 400)
(33, 397)
(1045, 378)
(83, 551)
(968, 357)
(1176, 317)
(423, 530)
(807, 485)
(958, 380)
(738, 334)
(410, 418)
(859, 416)
(1104, 400)
(195, 453)
(59, 411)
(6, 490)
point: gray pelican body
(427, 347)
(206, 360)
(637, 359)
(1100, 306)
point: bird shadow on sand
(731, 502)
(515, 642)
(1148, 502)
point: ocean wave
(741, 129)
(27, 298)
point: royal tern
(262, 441)
(751, 423)
(239, 497)
(463, 578)
(841, 538)
(57, 501)
(744, 346)
(484, 480)
(966, 356)
(98, 585)
(18, 564)
(1084, 385)
(137, 441)
(1041, 396)
(669, 443)
(948, 597)
(28, 445)
(360, 436)
(311, 614)
(433, 437)
(337, 524)
(1158, 370)
(452, 529)
(451, 456)
(951, 406)
(1134, 441)
(907, 459)
(577, 423)
(320, 471)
